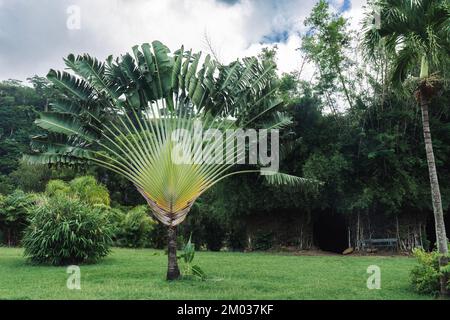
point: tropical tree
(135, 115)
(416, 35)
(326, 45)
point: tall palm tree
(416, 34)
(124, 114)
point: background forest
(351, 129)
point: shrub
(90, 191)
(14, 210)
(57, 187)
(65, 230)
(86, 188)
(115, 218)
(135, 228)
(425, 276)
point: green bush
(425, 276)
(14, 209)
(57, 187)
(86, 188)
(115, 218)
(65, 230)
(90, 191)
(134, 229)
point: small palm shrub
(135, 229)
(65, 230)
(189, 268)
(425, 276)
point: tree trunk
(441, 236)
(173, 272)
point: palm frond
(63, 123)
(279, 120)
(70, 84)
(279, 179)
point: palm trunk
(173, 272)
(441, 236)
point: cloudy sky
(36, 34)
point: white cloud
(34, 36)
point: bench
(385, 243)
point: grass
(139, 274)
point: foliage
(207, 228)
(236, 237)
(57, 187)
(115, 219)
(89, 190)
(422, 29)
(326, 44)
(262, 241)
(31, 178)
(135, 228)
(425, 276)
(14, 212)
(64, 231)
(18, 104)
(188, 255)
(86, 188)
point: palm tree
(124, 114)
(416, 34)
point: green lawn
(139, 274)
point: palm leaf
(68, 83)
(279, 179)
(63, 123)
